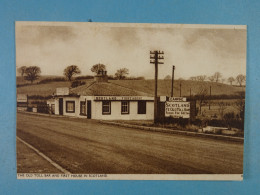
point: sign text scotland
(177, 109)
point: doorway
(89, 109)
(60, 106)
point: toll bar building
(102, 100)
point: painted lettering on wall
(119, 98)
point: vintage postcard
(114, 101)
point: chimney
(101, 76)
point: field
(147, 86)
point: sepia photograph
(130, 101)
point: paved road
(86, 146)
(28, 161)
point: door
(83, 108)
(89, 109)
(61, 106)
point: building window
(83, 108)
(125, 107)
(70, 106)
(106, 107)
(141, 107)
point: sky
(193, 49)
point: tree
(32, 73)
(201, 96)
(95, 68)
(217, 76)
(231, 80)
(239, 104)
(240, 79)
(70, 71)
(168, 77)
(211, 78)
(193, 78)
(201, 78)
(21, 70)
(221, 108)
(121, 73)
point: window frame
(138, 109)
(68, 102)
(109, 104)
(128, 107)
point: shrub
(49, 80)
(43, 108)
(84, 77)
(77, 83)
(217, 123)
(39, 97)
(197, 122)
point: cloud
(194, 51)
(40, 34)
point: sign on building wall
(177, 109)
(62, 91)
(22, 98)
(119, 98)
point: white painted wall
(96, 108)
(116, 111)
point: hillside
(147, 86)
(164, 87)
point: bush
(77, 83)
(197, 122)
(178, 121)
(39, 97)
(43, 108)
(49, 80)
(84, 77)
(38, 102)
(217, 123)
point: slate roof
(106, 89)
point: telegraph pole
(209, 95)
(155, 56)
(180, 88)
(173, 68)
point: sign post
(155, 56)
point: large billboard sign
(177, 109)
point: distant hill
(147, 86)
(164, 87)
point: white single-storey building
(103, 100)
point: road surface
(86, 146)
